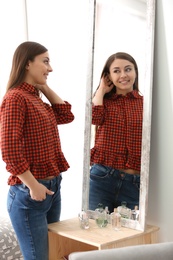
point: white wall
(160, 209)
(12, 32)
(63, 30)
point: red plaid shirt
(119, 135)
(29, 134)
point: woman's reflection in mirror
(117, 114)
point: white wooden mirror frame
(148, 81)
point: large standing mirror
(128, 26)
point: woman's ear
(109, 77)
(27, 66)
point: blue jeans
(30, 218)
(110, 187)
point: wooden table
(66, 237)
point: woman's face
(122, 74)
(38, 70)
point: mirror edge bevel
(88, 105)
(146, 132)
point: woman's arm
(37, 190)
(50, 94)
(61, 108)
(105, 86)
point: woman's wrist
(98, 97)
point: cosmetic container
(135, 213)
(116, 220)
(124, 211)
(83, 220)
(101, 216)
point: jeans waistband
(124, 175)
(51, 182)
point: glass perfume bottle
(116, 220)
(135, 213)
(108, 214)
(124, 211)
(101, 216)
(83, 220)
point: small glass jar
(116, 220)
(83, 220)
(124, 211)
(135, 213)
(101, 216)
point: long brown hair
(25, 52)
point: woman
(117, 113)
(31, 148)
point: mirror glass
(125, 26)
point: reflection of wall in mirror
(120, 26)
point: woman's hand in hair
(106, 84)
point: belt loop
(123, 175)
(134, 178)
(112, 171)
(23, 185)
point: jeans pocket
(99, 171)
(10, 199)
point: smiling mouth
(124, 82)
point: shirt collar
(29, 88)
(132, 94)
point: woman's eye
(46, 61)
(128, 69)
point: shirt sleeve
(12, 122)
(97, 115)
(63, 113)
